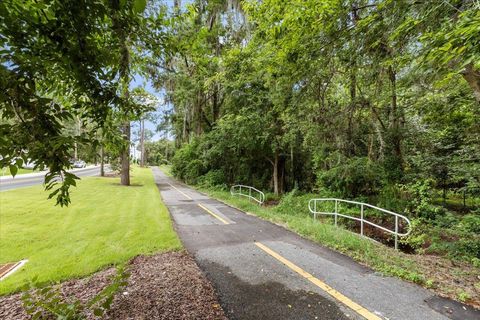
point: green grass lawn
(6, 171)
(106, 224)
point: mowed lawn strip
(105, 224)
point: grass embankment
(167, 169)
(457, 280)
(293, 214)
(106, 224)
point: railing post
(396, 232)
(361, 220)
(336, 211)
(314, 209)
(250, 192)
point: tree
(348, 96)
(61, 59)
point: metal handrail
(313, 209)
(260, 195)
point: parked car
(79, 164)
(29, 164)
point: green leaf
(13, 169)
(19, 162)
(139, 6)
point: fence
(312, 206)
(249, 192)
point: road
(263, 271)
(27, 180)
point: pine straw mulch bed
(162, 286)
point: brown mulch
(162, 286)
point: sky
(139, 81)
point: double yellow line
(322, 285)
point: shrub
(294, 204)
(420, 200)
(470, 223)
(467, 247)
(213, 178)
(391, 197)
(187, 164)
(418, 234)
(448, 220)
(355, 177)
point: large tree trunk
(394, 136)
(472, 77)
(276, 189)
(215, 104)
(350, 143)
(184, 128)
(102, 162)
(166, 146)
(125, 157)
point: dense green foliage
(350, 96)
(64, 61)
(159, 152)
(374, 100)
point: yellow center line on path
(213, 214)
(186, 195)
(322, 285)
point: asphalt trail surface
(263, 271)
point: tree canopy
(61, 60)
(352, 96)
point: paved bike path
(263, 271)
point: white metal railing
(249, 192)
(312, 206)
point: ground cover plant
(107, 224)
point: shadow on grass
(131, 184)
